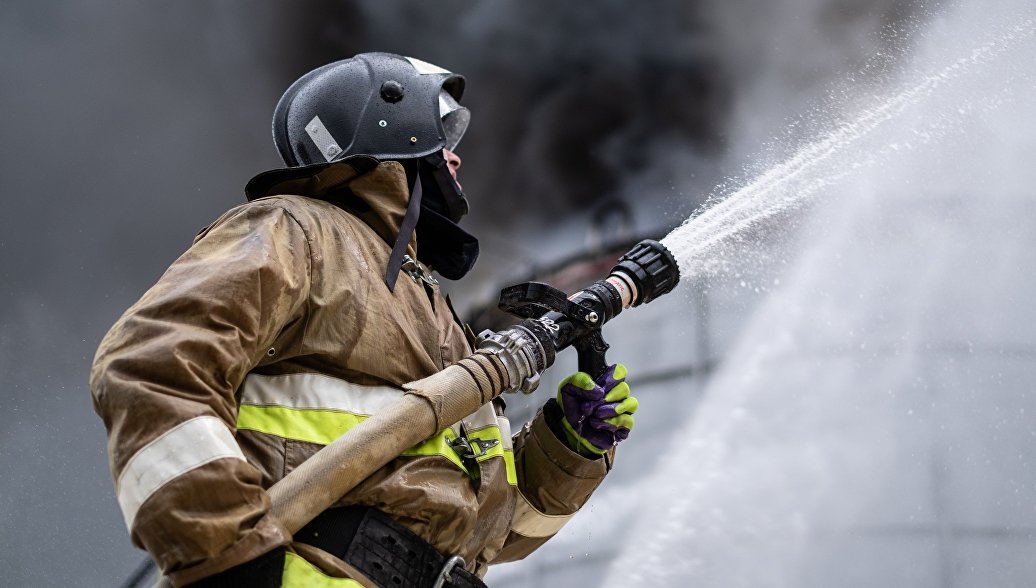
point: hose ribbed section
(460, 389)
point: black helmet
(389, 107)
(378, 104)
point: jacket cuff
(265, 571)
(267, 535)
(552, 441)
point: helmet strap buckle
(416, 272)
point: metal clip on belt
(447, 569)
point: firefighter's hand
(597, 415)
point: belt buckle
(447, 569)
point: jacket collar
(376, 191)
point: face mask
(441, 243)
(442, 193)
(444, 246)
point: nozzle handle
(646, 272)
(591, 353)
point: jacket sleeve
(164, 382)
(553, 483)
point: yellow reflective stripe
(313, 426)
(492, 433)
(324, 426)
(512, 473)
(439, 445)
(488, 434)
(299, 573)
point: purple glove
(597, 414)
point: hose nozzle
(644, 273)
(557, 320)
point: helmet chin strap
(406, 231)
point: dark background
(127, 127)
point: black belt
(389, 554)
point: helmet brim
(279, 181)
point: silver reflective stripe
(530, 522)
(316, 391)
(322, 139)
(447, 104)
(483, 418)
(179, 450)
(455, 119)
(505, 432)
(423, 67)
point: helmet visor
(455, 119)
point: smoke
(568, 100)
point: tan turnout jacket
(273, 334)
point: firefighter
(298, 314)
